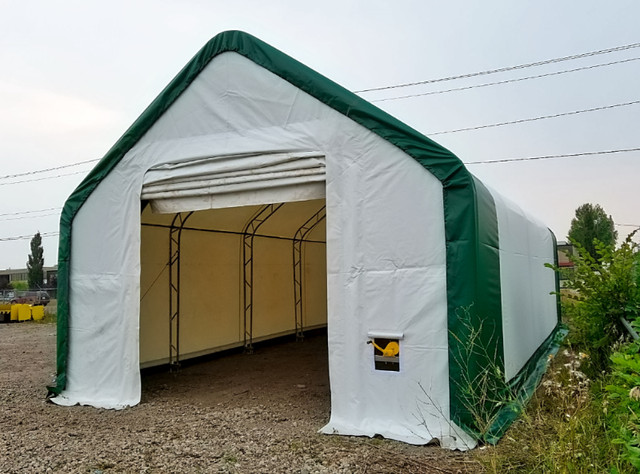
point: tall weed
(563, 429)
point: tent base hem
(69, 401)
(463, 442)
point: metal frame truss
(248, 235)
(175, 236)
(298, 272)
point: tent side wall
(529, 307)
(314, 290)
(530, 319)
(210, 294)
(154, 301)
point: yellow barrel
(14, 311)
(37, 312)
(24, 312)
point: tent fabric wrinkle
(244, 179)
(219, 180)
(402, 243)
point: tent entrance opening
(221, 278)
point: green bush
(623, 410)
(19, 285)
(602, 291)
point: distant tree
(36, 262)
(592, 224)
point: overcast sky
(76, 74)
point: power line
(568, 155)
(549, 157)
(504, 69)
(543, 117)
(44, 179)
(30, 212)
(27, 173)
(4, 219)
(23, 214)
(429, 81)
(508, 81)
(473, 74)
(27, 237)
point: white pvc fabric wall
(529, 307)
(385, 251)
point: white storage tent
(256, 198)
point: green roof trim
(473, 268)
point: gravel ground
(239, 413)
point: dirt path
(239, 413)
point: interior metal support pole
(248, 235)
(298, 272)
(175, 236)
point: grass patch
(574, 424)
(565, 428)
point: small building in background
(13, 276)
(565, 249)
